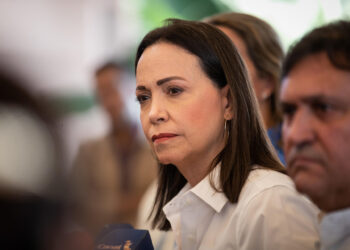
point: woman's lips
(162, 137)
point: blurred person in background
(315, 96)
(221, 185)
(262, 53)
(31, 183)
(111, 173)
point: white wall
(56, 45)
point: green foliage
(196, 9)
(155, 12)
(69, 104)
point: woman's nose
(158, 112)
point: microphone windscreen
(123, 237)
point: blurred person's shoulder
(145, 153)
(92, 144)
(146, 165)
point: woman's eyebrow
(167, 79)
(161, 81)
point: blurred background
(57, 44)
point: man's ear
(227, 102)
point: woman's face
(182, 111)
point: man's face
(107, 83)
(315, 100)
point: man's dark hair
(333, 39)
(108, 65)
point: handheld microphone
(123, 237)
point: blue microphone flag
(123, 237)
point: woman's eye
(142, 98)
(174, 91)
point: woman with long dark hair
(221, 186)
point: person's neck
(266, 114)
(196, 169)
(194, 177)
(333, 203)
(123, 133)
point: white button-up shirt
(335, 230)
(269, 215)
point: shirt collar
(205, 191)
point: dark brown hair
(263, 46)
(108, 65)
(333, 39)
(247, 143)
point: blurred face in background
(107, 84)
(182, 110)
(316, 130)
(262, 87)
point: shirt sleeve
(278, 218)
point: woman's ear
(227, 102)
(266, 88)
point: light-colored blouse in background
(269, 215)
